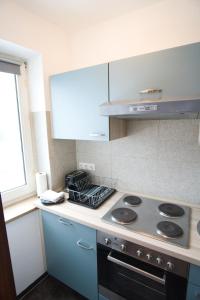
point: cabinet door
(85, 253)
(176, 71)
(26, 250)
(71, 254)
(76, 97)
(193, 292)
(194, 274)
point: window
(16, 163)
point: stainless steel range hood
(153, 109)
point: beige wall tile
(60, 166)
(135, 174)
(179, 180)
(178, 151)
(181, 130)
(140, 142)
(93, 147)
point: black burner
(132, 200)
(169, 229)
(171, 210)
(123, 215)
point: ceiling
(73, 15)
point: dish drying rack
(87, 194)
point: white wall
(26, 249)
(164, 24)
(30, 31)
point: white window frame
(27, 190)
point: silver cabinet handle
(96, 134)
(65, 222)
(137, 270)
(83, 245)
(151, 91)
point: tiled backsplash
(157, 158)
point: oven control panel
(147, 255)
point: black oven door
(132, 279)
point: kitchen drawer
(193, 292)
(194, 275)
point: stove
(164, 221)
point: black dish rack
(83, 192)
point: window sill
(19, 209)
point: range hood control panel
(143, 108)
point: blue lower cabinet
(71, 254)
(194, 275)
(193, 292)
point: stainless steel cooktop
(162, 220)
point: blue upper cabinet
(71, 254)
(76, 97)
(175, 71)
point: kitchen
(150, 47)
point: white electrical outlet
(82, 166)
(87, 166)
(91, 167)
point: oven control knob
(159, 260)
(123, 247)
(139, 252)
(148, 256)
(107, 241)
(170, 266)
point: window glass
(12, 168)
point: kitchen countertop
(92, 218)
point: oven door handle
(137, 270)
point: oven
(125, 273)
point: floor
(51, 289)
